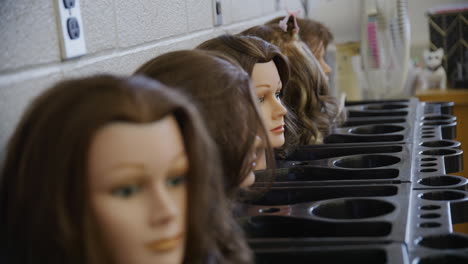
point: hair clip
(283, 24)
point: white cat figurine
(433, 75)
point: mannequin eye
(436, 57)
(278, 95)
(261, 99)
(430, 57)
(126, 191)
(176, 181)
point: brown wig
(223, 94)
(307, 92)
(248, 51)
(44, 192)
(312, 32)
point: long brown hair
(307, 92)
(44, 193)
(248, 51)
(223, 93)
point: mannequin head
(108, 170)
(307, 92)
(138, 193)
(222, 92)
(316, 36)
(269, 70)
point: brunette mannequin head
(307, 92)
(222, 92)
(60, 203)
(269, 70)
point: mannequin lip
(165, 244)
(278, 129)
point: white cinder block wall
(120, 35)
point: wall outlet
(217, 12)
(71, 30)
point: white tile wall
(105, 64)
(269, 6)
(143, 21)
(226, 8)
(99, 24)
(246, 9)
(346, 26)
(199, 14)
(120, 36)
(14, 99)
(27, 38)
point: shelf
(460, 98)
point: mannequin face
(268, 85)
(138, 198)
(320, 55)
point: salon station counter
(460, 98)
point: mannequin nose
(163, 207)
(279, 110)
